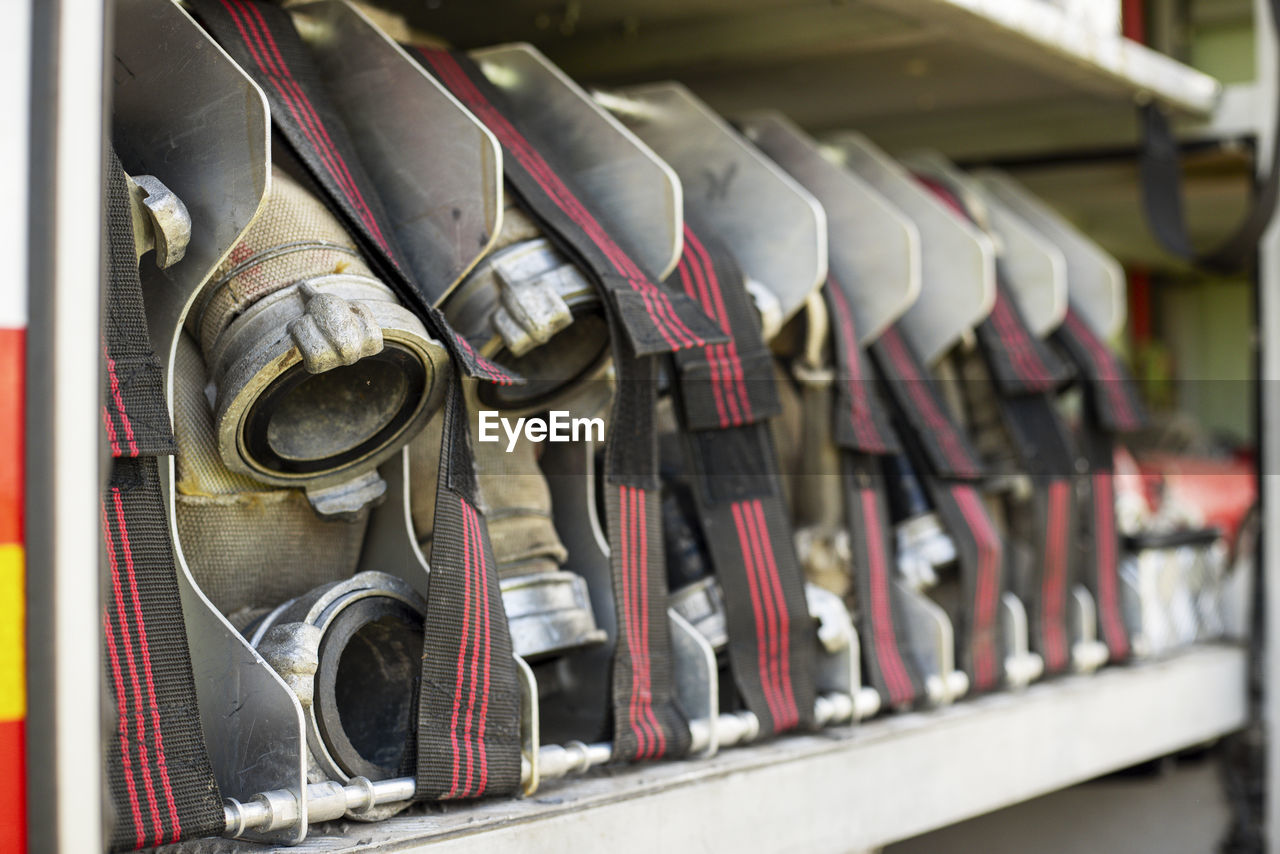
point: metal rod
(326, 801)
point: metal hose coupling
(536, 313)
(351, 651)
(317, 373)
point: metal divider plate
(776, 228)
(958, 282)
(187, 114)
(637, 194)
(1033, 267)
(1095, 280)
(874, 248)
(435, 166)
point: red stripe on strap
(459, 666)
(1104, 363)
(762, 634)
(1108, 594)
(139, 722)
(145, 653)
(119, 404)
(122, 722)
(771, 617)
(341, 174)
(1014, 336)
(691, 277)
(473, 675)
(857, 390)
(941, 426)
(895, 672)
(714, 305)
(1055, 573)
(643, 567)
(487, 646)
(985, 590)
(626, 524)
(791, 715)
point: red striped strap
(468, 732)
(645, 319)
(981, 553)
(158, 769)
(920, 401)
(891, 664)
(1114, 405)
(861, 424)
(724, 393)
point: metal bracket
(1087, 652)
(933, 639)
(444, 202)
(1021, 665)
(617, 175)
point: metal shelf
(854, 788)
(976, 77)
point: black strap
(982, 564)
(861, 423)
(918, 399)
(863, 432)
(468, 735)
(725, 394)
(1098, 546)
(948, 468)
(1161, 174)
(882, 621)
(1019, 361)
(1025, 371)
(158, 772)
(645, 320)
(469, 700)
(1113, 402)
(1111, 406)
(1045, 451)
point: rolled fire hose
(297, 374)
(316, 373)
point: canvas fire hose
(467, 739)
